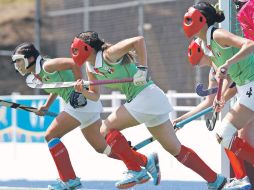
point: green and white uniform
(147, 104)
(242, 73)
(85, 115)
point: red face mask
(193, 22)
(195, 53)
(80, 51)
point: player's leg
(119, 146)
(63, 124)
(166, 136)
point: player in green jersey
(79, 109)
(235, 54)
(146, 102)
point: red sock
(237, 164)
(120, 147)
(62, 159)
(191, 160)
(140, 158)
(242, 149)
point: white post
(116, 102)
(225, 7)
(173, 102)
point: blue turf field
(109, 185)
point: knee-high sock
(62, 159)
(120, 147)
(140, 158)
(237, 164)
(191, 160)
(242, 149)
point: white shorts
(86, 115)
(246, 95)
(151, 106)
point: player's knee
(99, 150)
(104, 130)
(225, 133)
(48, 136)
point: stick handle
(99, 82)
(220, 85)
(48, 113)
(195, 116)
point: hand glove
(77, 100)
(139, 79)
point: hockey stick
(179, 125)
(207, 92)
(210, 124)
(201, 92)
(33, 83)
(23, 107)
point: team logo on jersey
(107, 69)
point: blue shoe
(153, 168)
(69, 185)
(218, 184)
(238, 184)
(132, 178)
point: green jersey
(103, 71)
(241, 72)
(57, 76)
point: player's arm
(93, 91)
(204, 104)
(51, 98)
(117, 51)
(59, 64)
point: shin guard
(62, 159)
(191, 160)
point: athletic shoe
(69, 185)
(153, 168)
(238, 184)
(218, 184)
(132, 178)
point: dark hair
(92, 39)
(211, 13)
(28, 50)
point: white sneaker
(238, 184)
(69, 185)
(132, 178)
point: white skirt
(152, 100)
(86, 115)
(246, 95)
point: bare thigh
(166, 136)
(119, 120)
(61, 125)
(239, 116)
(94, 137)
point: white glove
(139, 79)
